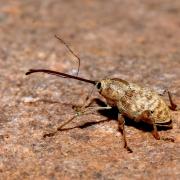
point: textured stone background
(135, 40)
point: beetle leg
(88, 101)
(168, 139)
(122, 130)
(85, 106)
(155, 132)
(59, 128)
(146, 117)
(84, 112)
(173, 105)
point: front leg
(88, 101)
(122, 130)
(85, 111)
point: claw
(128, 149)
(49, 134)
(168, 139)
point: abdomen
(137, 100)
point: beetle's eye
(98, 85)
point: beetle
(132, 101)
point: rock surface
(134, 40)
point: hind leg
(173, 105)
(146, 116)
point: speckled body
(132, 100)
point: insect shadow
(112, 114)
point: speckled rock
(134, 40)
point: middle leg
(122, 130)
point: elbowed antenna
(60, 74)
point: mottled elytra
(132, 101)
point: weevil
(133, 101)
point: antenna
(70, 50)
